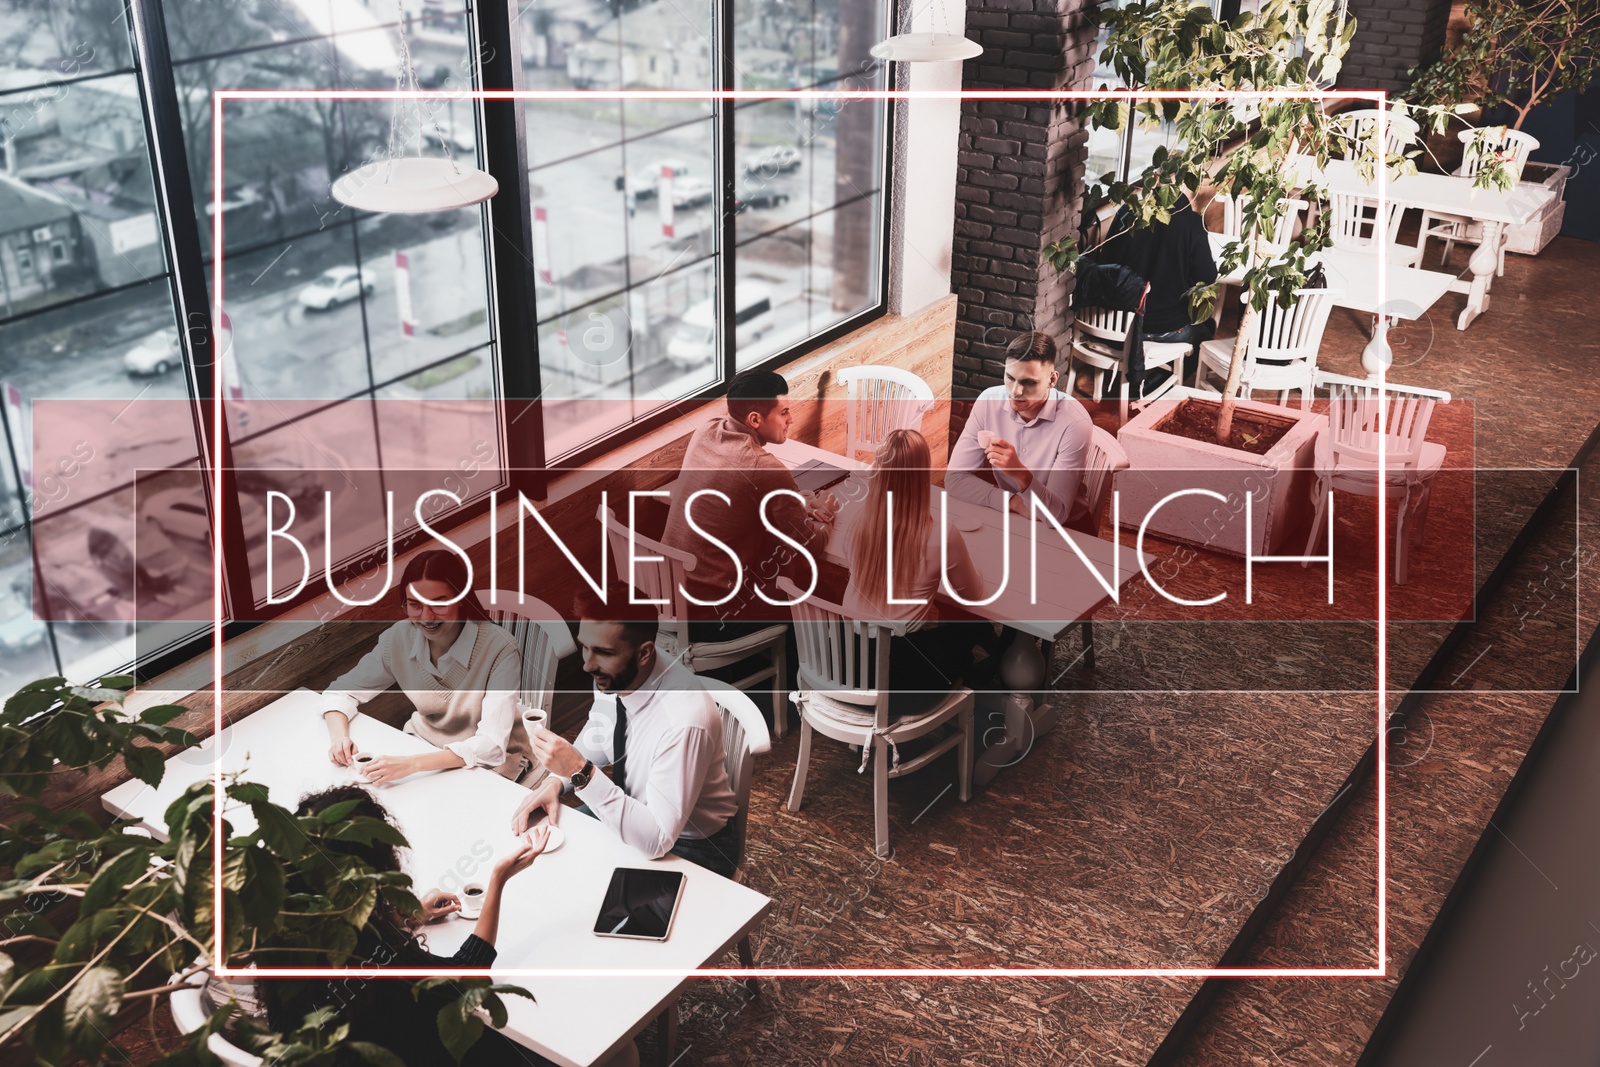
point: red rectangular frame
(1377, 97)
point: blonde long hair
(902, 467)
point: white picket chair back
(1105, 458)
(541, 634)
(878, 401)
(841, 656)
(1283, 229)
(1496, 140)
(1358, 125)
(1360, 419)
(658, 579)
(744, 737)
(1293, 332)
(1354, 223)
(1103, 324)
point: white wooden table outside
(1454, 195)
(458, 823)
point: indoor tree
(96, 920)
(1264, 150)
(1516, 54)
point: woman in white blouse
(460, 671)
(930, 658)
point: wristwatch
(581, 778)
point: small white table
(1409, 291)
(1454, 195)
(458, 823)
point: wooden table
(1454, 195)
(458, 823)
(1060, 604)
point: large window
(633, 237)
(86, 327)
(673, 243)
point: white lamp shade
(926, 48)
(413, 185)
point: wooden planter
(1531, 237)
(1279, 482)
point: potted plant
(1254, 150)
(97, 919)
(1510, 57)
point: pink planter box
(1279, 483)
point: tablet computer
(815, 475)
(639, 904)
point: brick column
(1019, 182)
(1392, 36)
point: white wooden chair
(880, 400)
(1347, 454)
(1233, 211)
(663, 579)
(1458, 229)
(844, 670)
(1354, 225)
(744, 737)
(1360, 124)
(541, 633)
(1100, 466)
(1284, 355)
(1100, 342)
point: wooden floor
(1144, 830)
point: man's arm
(677, 774)
(961, 479)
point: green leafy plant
(1516, 54)
(1254, 151)
(96, 920)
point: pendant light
(941, 46)
(410, 185)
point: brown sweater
(728, 457)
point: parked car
(779, 159)
(643, 183)
(178, 513)
(695, 341)
(155, 355)
(758, 200)
(691, 193)
(334, 286)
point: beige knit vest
(449, 708)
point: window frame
(490, 26)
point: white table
(1454, 195)
(1060, 603)
(458, 824)
(1409, 291)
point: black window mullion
(724, 71)
(175, 203)
(510, 214)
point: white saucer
(554, 842)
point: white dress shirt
(676, 768)
(1053, 445)
(486, 748)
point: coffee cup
(533, 717)
(985, 438)
(472, 895)
(361, 759)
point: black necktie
(619, 747)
